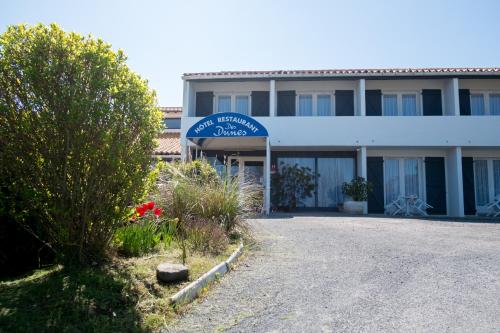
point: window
(172, 123)
(486, 180)
(400, 104)
(409, 102)
(391, 180)
(305, 105)
(223, 103)
(239, 103)
(403, 176)
(330, 173)
(325, 105)
(301, 162)
(477, 105)
(495, 104)
(314, 104)
(496, 177)
(390, 105)
(242, 105)
(485, 103)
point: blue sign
(227, 125)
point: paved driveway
(336, 274)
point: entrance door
(253, 171)
(250, 169)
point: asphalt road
(338, 274)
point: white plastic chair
(493, 208)
(396, 207)
(421, 207)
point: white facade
(450, 136)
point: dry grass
(120, 296)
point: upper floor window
(318, 104)
(233, 103)
(400, 104)
(483, 103)
(242, 105)
(172, 123)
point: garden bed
(123, 295)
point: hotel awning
(228, 130)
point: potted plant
(357, 194)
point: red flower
(150, 205)
(140, 210)
(158, 211)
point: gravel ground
(339, 274)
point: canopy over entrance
(225, 130)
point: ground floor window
(403, 176)
(330, 173)
(487, 180)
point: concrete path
(338, 274)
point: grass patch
(122, 296)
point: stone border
(191, 291)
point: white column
(272, 98)
(267, 195)
(185, 113)
(456, 100)
(455, 182)
(451, 98)
(361, 98)
(362, 168)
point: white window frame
(422, 185)
(486, 97)
(491, 180)
(314, 95)
(233, 100)
(399, 97)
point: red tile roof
(171, 111)
(348, 72)
(168, 144)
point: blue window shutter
(373, 100)
(435, 185)
(468, 186)
(260, 103)
(286, 103)
(464, 99)
(432, 104)
(204, 103)
(344, 102)
(375, 175)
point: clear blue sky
(164, 39)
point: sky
(164, 39)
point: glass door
(253, 171)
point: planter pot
(354, 207)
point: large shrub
(291, 186)
(223, 199)
(77, 130)
(208, 207)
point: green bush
(205, 236)
(357, 189)
(141, 237)
(291, 185)
(209, 208)
(223, 200)
(77, 130)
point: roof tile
(359, 71)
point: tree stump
(169, 273)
